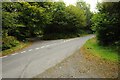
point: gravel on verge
(81, 65)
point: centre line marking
(23, 52)
(4, 56)
(14, 54)
(47, 45)
(42, 46)
(37, 48)
(30, 50)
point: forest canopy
(106, 23)
(50, 20)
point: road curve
(40, 56)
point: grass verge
(92, 47)
(15, 49)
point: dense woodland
(106, 23)
(55, 20)
(49, 20)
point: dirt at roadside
(81, 65)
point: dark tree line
(106, 23)
(51, 20)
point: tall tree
(106, 23)
(86, 7)
(34, 17)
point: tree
(49, 19)
(106, 23)
(34, 17)
(86, 8)
(67, 21)
(10, 14)
(10, 24)
(76, 17)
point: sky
(91, 2)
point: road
(40, 56)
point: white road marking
(42, 46)
(4, 56)
(14, 54)
(67, 40)
(47, 45)
(10, 54)
(30, 49)
(70, 39)
(23, 52)
(51, 44)
(37, 48)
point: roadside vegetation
(55, 20)
(104, 52)
(12, 50)
(48, 20)
(106, 25)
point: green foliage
(108, 52)
(106, 23)
(10, 18)
(9, 42)
(59, 19)
(34, 18)
(86, 8)
(52, 20)
(77, 16)
(41, 18)
(66, 20)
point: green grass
(108, 53)
(15, 49)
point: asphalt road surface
(40, 56)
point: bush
(106, 23)
(107, 28)
(8, 42)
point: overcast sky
(91, 2)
